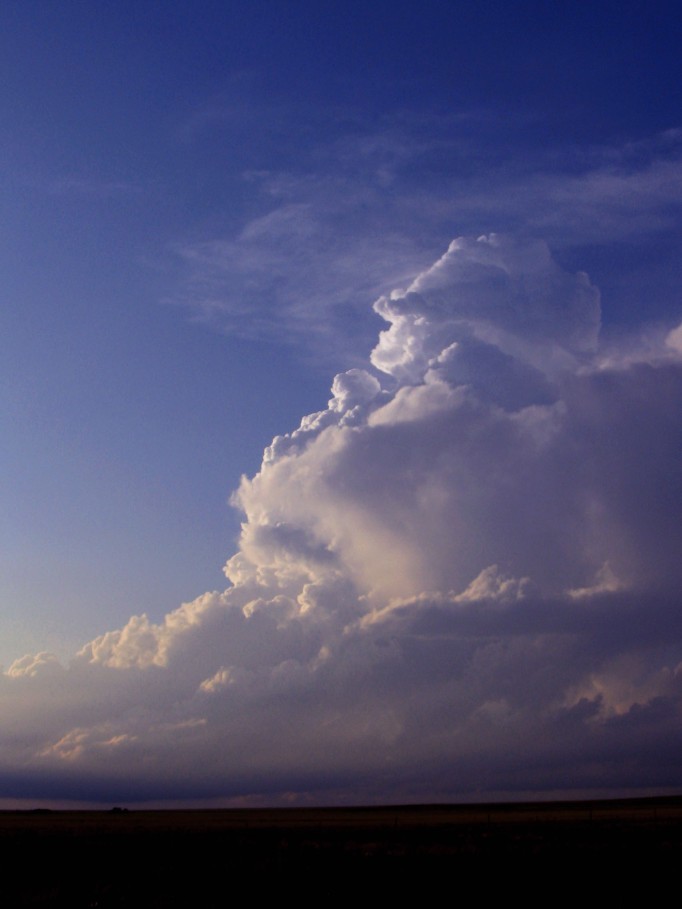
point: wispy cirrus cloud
(367, 206)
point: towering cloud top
(471, 553)
(502, 292)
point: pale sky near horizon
(201, 204)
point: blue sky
(200, 205)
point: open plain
(216, 857)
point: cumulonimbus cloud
(460, 577)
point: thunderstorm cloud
(460, 577)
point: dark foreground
(427, 854)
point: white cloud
(501, 292)
(466, 566)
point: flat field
(424, 853)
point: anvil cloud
(461, 578)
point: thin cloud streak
(367, 211)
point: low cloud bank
(460, 578)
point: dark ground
(536, 852)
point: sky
(341, 384)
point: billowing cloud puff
(511, 296)
(460, 577)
